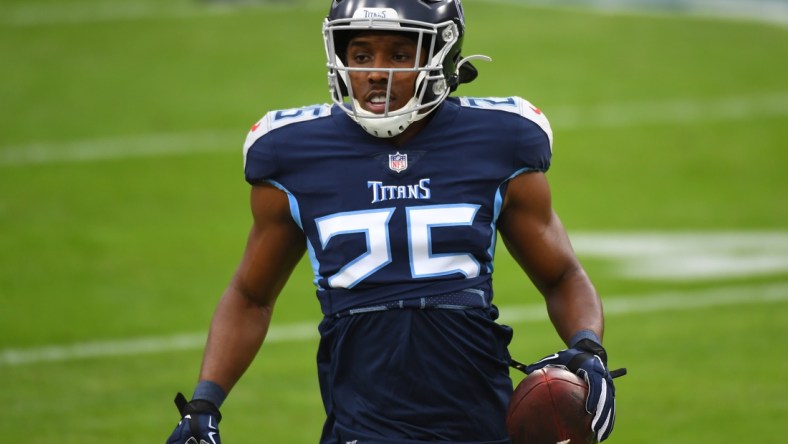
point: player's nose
(381, 69)
(380, 74)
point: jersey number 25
(421, 221)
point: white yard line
(677, 111)
(665, 301)
(688, 256)
(684, 111)
(86, 12)
(143, 145)
(764, 11)
(138, 346)
(614, 306)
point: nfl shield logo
(398, 162)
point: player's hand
(589, 360)
(199, 422)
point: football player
(397, 191)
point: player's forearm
(238, 329)
(573, 305)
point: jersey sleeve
(260, 161)
(535, 138)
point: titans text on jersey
(382, 192)
(405, 222)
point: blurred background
(123, 209)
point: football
(548, 407)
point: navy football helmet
(439, 28)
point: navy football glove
(589, 360)
(199, 423)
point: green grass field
(123, 209)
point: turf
(123, 209)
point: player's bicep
(533, 233)
(274, 247)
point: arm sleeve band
(209, 391)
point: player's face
(383, 51)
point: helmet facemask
(441, 42)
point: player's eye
(402, 57)
(360, 58)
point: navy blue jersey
(389, 224)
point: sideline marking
(566, 118)
(618, 305)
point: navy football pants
(415, 375)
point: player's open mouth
(376, 103)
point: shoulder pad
(515, 105)
(280, 118)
